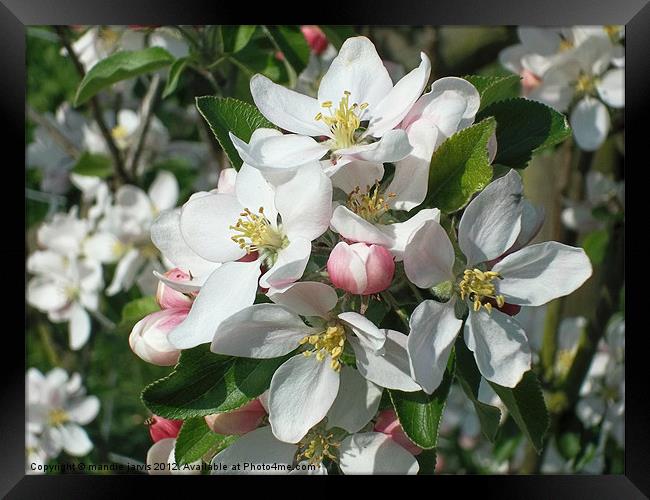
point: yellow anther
(477, 286)
(586, 84)
(328, 343)
(343, 121)
(317, 445)
(370, 204)
(256, 233)
(565, 45)
(57, 416)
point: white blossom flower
(57, 408)
(494, 224)
(304, 388)
(357, 110)
(35, 455)
(164, 452)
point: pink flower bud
(240, 421)
(388, 424)
(361, 269)
(162, 428)
(148, 338)
(529, 81)
(226, 183)
(315, 37)
(167, 297)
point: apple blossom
(360, 269)
(161, 428)
(149, 337)
(315, 37)
(161, 458)
(388, 423)
(239, 421)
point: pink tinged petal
(556, 89)
(192, 286)
(380, 268)
(305, 203)
(287, 109)
(357, 173)
(259, 447)
(79, 327)
(226, 182)
(149, 338)
(429, 256)
(306, 298)
(400, 232)
(347, 269)
(159, 453)
(84, 411)
(499, 345)
(365, 330)
(239, 421)
(279, 151)
(396, 104)
(301, 393)
(492, 221)
(390, 369)
(354, 228)
(359, 70)
(167, 297)
(393, 146)
(540, 273)
(166, 235)
(75, 440)
(356, 402)
(260, 331)
(433, 329)
(163, 428)
(375, 453)
(590, 122)
(388, 423)
(164, 191)
(611, 88)
(217, 300)
(205, 226)
(289, 266)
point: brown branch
(146, 114)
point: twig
(95, 107)
(68, 146)
(146, 114)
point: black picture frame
(15, 15)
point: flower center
(255, 233)
(343, 121)
(370, 204)
(329, 343)
(586, 84)
(565, 45)
(72, 293)
(477, 286)
(317, 445)
(612, 31)
(57, 416)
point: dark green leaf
(427, 461)
(135, 310)
(527, 407)
(121, 66)
(469, 377)
(460, 167)
(524, 128)
(94, 165)
(204, 383)
(231, 115)
(494, 88)
(420, 413)
(336, 35)
(195, 440)
(293, 45)
(174, 76)
(235, 38)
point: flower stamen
(370, 204)
(317, 445)
(256, 233)
(343, 121)
(477, 286)
(57, 416)
(329, 343)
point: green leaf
(293, 45)
(595, 245)
(174, 76)
(524, 128)
(470, 378)
(135, 310)
(420, 413)
(231, 115)
(336, 35)
(203, 383)
(235, 38)
(527, 407)
(460, 167)
(121, 66)
(196, 440)
(427, 461)
(93, 165)
(494, 88)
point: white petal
(540, 273)
(390, 370)
(217, 300)
(492, 221)
(259, 447)
(611, 88)
(101, 246)
(279, 151)
(159, 453)
(125, 272)
(393, 146)
(354, 228)
(254, 191)
(500, 346)
(532, 220)
(260, 331)
(46, 294)
(401, 232)
(375, 453)
(305, 203)
(166, 235)
(359, 70)
(205, 223)
(590, 122)
(357, 173)
(356, 403)
(287, 109)
(306, 298)
(46, 262)
(510, 57)
(75, 440)
(79, 327)
(370, 336)
(301, 393)
(394, 106)
(289, 266)
(429, 256)
(164, 191)
(433, 329)
(85, 411)
(191, 286)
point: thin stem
(401, 313)
(50, 349)
(146, 114)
